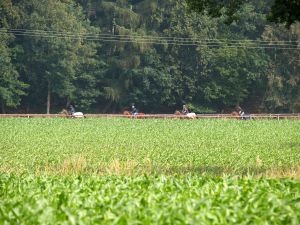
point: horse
(138, 115)
(74, 115)
(236, 115)
(189, 115)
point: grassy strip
(147, 200)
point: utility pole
(113, 30)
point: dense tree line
(282, 11)
(104, 55)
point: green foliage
(283, 80)
(216, 8)
(198, 109)
(228, 66)
(210, 147)
(54, 64)
(286, 12)
(147, 200)
(11, 88)
(130, 171)
(235, 72)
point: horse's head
(64, 112)
(177, 113)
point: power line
(136, 36)
(140, 38)
(151, 40)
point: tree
(282, 11)
(285, 11)
(282, 82)
(121, 59)
(54, 49)
(156, 54)
(11, 88)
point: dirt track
(161, 116)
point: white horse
(78, 115)
(189, 115)
(74, 115)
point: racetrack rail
(160, 116)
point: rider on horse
(242, 114)
(134, 110)
(185, 110)
(71, 109)
(240, 111)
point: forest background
(105, 55)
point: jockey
(185, 110)
(134, 110)
(242, 114)
(71, 109)
(240, 111)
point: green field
(148, 200)
(125, 146)
(130, 171)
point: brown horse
(177, 113)
(235, 115)
(65, 113)
(129, 115)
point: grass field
(124, 171)
(125, 146)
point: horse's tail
(177, 113)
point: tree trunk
(2, 106)
(49, 97)
(106, 108)
(68, 102)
